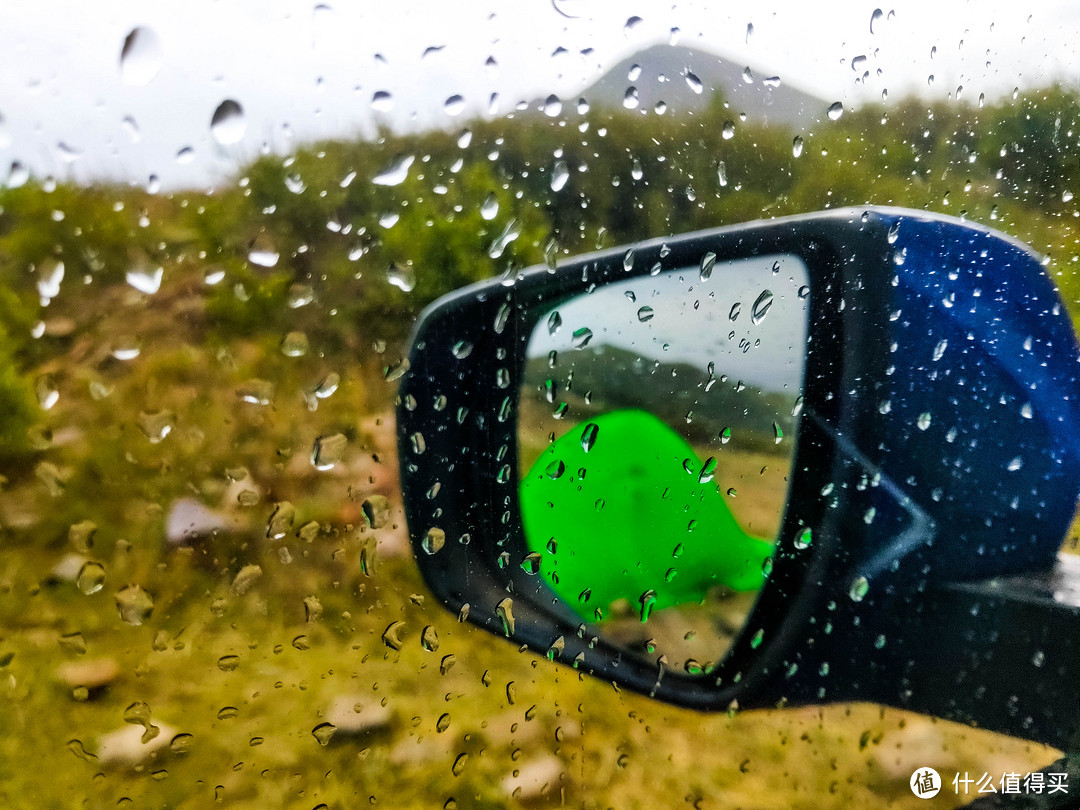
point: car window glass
(217, 228)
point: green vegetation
(283, 303)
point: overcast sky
(301, 70)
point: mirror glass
(656, 435)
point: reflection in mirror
(656, 436)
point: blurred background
(217, 227)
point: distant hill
(661, 75)
(604, 377)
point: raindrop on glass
(404, 278)
(140, 56)
(454, 105)
(294, 344)
(382, 101)
(227, 125)
(708, 262)
(395, 172)
(761, 306)
(91, 578)
(327, 451)
(859, 588)
(559, 175)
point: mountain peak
(681, 80)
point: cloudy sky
(301, 70)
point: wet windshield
(217, 229)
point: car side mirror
(738, 467)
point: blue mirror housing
(979, 404)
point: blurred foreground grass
(236, 687)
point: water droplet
(756, 639)
(708, 469)
(1026, 410)
(708, 262)
(324, 732)
(393, 635)
(294, 344)
(551, 255)
(18, 175)
(389, 219)
(693, 82)
(559, 175)
(145, 281)
(433, 541)
(635, 169)
(555, 469)
(588, 436)
(647, 601)
(552, 106)
(462, 349)
(728, 131)
(803, 538)
(875, 17)
(489, 208)
(761, 307)
(429, 639)
(91, 578)
(382, 101)
(281, 520)
(630, 98)
(859, 588)
(395, 172)
(228, 663)
(778, 433)
(531, 563)
(47, 393)
(262, 251)
(227, 125)
(511, 232)
(797, 146)
(1015, 464)
(459, 764)
(156, 425)
(328, 450)
(581, 337)
(645, 314)
(140, 56)
(402, 277)
(454, 106)
(923, 421)
(185, 156)
(443, 723)
(134, 604)
(836, 109)
(721, 173)
(505, 611)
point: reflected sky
(674, 317)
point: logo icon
(925, 783)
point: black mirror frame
(462, 482)
(822, 634)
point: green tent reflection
(620, 511)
